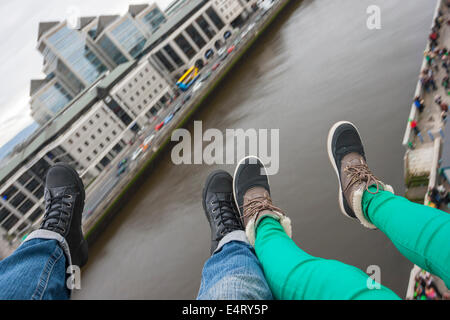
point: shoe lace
(57, 210)
(259, 204)
(226, 214)
(361, 173)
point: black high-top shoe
(64, 202)
(219, 207)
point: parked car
(159, 126)
(136, 154)
(230, 49)
(121, 171)
(122, 163)
(214, 68)
(222, 52)
(244, 34)
(187, 98)
(177, 108)
(147, 142)
(168, 118)
(206, 76)
(197, 86)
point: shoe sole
(333, 163)
(234, 179)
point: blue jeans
(35, 271)
(234, 273)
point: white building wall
(93, 136)
(228, 10)
(140, 91)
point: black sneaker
(250, 174)
(346, 153)
(64, 201)
(219, 206)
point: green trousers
(421, 234)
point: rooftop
(45, 26)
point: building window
(205, 27)
(4, 213)
(173, 55)
(18, 199)
(164, 61)
(99, 130)
(32, 185)
(95, 152)
(212, 14)
(106, 125)
(24, 178)
(184, 45)
(195, 36)
(10, 222)
(36, 214)
(114, 132)
(86, 144)
(93, 137)
(80, 150)
(27, 205)
(88, 159)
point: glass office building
(70, 46)
(153, 19)
(129, 37)
(54, 98)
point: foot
(219, 207)
(64, 202)
(252, 196)
(346, 153)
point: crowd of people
(437, 56)
(426, 289)
(438, 196)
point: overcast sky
(19, 59)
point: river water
(318, 64)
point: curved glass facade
(129, 37)
(71, 46)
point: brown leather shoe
(252, 196)
(346, 153)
